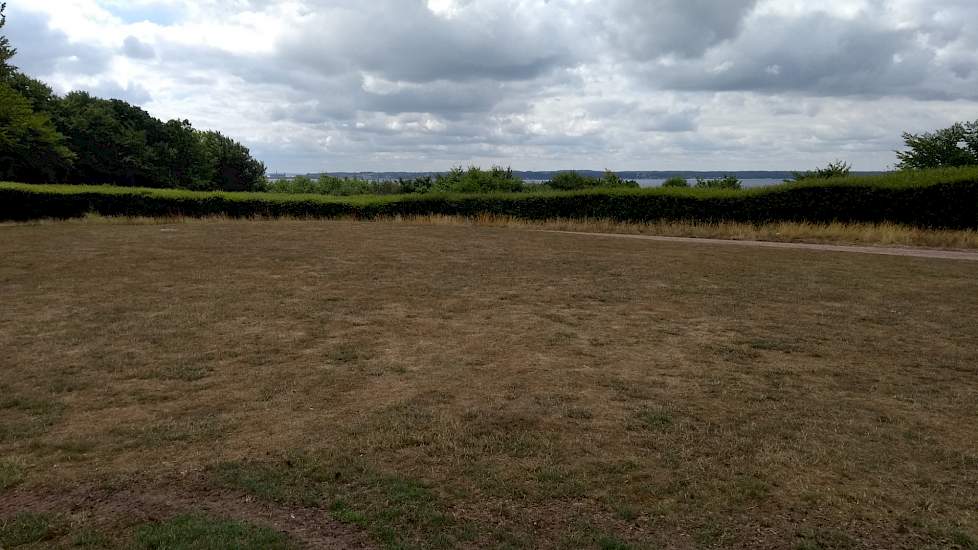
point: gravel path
(880, 250)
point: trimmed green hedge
(939, 199)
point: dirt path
(879, 250)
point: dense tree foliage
(232, 167)
(948, 147)
(79, 138)
(31, 150)
(6, 51)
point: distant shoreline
(546, 175)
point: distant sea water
(745, 183)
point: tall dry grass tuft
(884, 234)
(887, 234)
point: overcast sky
(343, 85)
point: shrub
(611, 180)
(726, 182)
(569, 181)
(477, 180)
(420, 184)
(837, 169)
(572, 181)
(675, 181)
(937, 198)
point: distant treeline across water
(752, 178)
(656, 182)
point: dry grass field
(337, 384)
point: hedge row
(940, 199)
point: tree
(179, 158)
(31, 150)
(40, 95)
(110, 139)
(233, 167)
(953, 146)
(6, 51)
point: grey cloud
(136, 49)
(649, 29)
(684, 120)
(824, 56)
(445, 98)
(132, 93)
(403, 40)
(43, 51)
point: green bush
(477, 180)
(675, 181)
(726, 182)
(837, 169)
(574, 181)
(946, 198)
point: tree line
(79, 138)
(457, 180)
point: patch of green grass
(587, 535)
(654, 419)
(612, 543)
(824, 539)
(344, 355)
(181, 430)
(709, 535)
(625, 512)
(92, 539)
(183, 373)
(748, 489)
(27, 528)
(397, 511)
(963, 540)
(559, 482)
(770, 344)
(579, 413)
(342, 511)
(296, 479)
(31, 417)
(10, 474)
(197, 532)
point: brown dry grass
(883, 234)
(470, 386)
